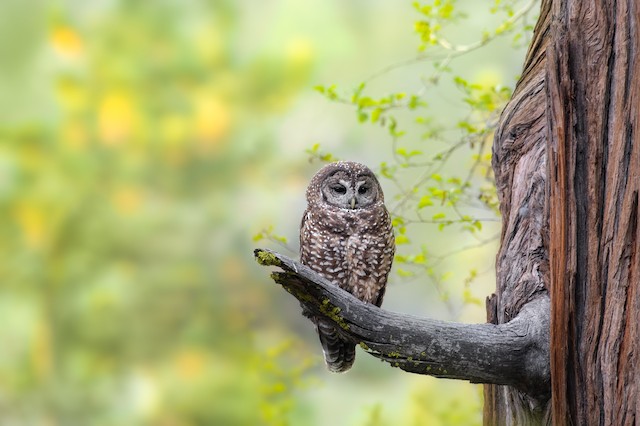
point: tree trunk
(594, 171)
(522, 264)
(570, 222)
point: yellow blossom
(190, 363)
(66, 41)
(31, 220)
(116, 118)
(127, 200)
(212, 120)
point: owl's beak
(353, 203)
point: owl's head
(345, 184)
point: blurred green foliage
(142, 144)
(116, 309)
(424, 161)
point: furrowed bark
(571, 127)
(522, 265)
(594, 165)
(514, 353)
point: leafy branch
(428, 190)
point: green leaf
(467, 127)
(331, 92)
(393, 125)
(367, 101)
(438, 216)
(404, 272)
(436, 192)
(397, 221)
(402, 239)
(375, 114)
(400, 258)
(446, 11)
(415, 102)
(425, 201)
(469, 298)
(279, 238)
(424, 29)
(460, 82)
(386, 171)
(357, 93)
(329, 158)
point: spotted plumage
(346, 236)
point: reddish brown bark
(571, 127)
(594, 171)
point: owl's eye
(363, 189)
(340, 189)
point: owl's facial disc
(350, 192)
(366, 191)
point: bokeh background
(145, 146)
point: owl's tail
(338, 353)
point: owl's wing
(378, 301)
(322, 252)
(369, 257)
(386, 260)
(304, 238)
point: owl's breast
(340, 222)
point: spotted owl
(347, 237)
